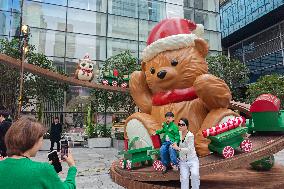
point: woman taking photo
(189, 163)
(23, 141)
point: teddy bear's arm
(140, 92)
(213, 91)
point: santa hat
(171, 34)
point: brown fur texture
(191, 71)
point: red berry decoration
(246, 146)
(228, 152)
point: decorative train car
(266, 115)
(228, 136)
(111, 78)
(134, 155)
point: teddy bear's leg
(141, 125)
(214, 117)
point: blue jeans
(168, 154)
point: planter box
(118, 144)
(99, 142)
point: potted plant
(101, 137)
(98, 135)
(118, 141)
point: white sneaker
(175, 168)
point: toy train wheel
(122, 163)
(228, 152)
(157, 165)
(128, 164)
(246, 146)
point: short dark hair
(169, 114)
(56, 117)
(23, 135)
(185, 121)
(4, 112)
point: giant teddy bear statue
(174, 79)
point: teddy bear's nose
(161, 74)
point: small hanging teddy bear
(85, 69)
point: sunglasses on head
(181, 124)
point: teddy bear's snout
(161, 74)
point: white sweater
(187, 147)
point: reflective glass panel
(116, 46)
(189, 14)
(263, 37)
(16, 5)
(236, 52)
(174, 11)
(15, 24)
(4, 22)
(209, 20)
(178, 2)
(50, 43)
(211, 5)
(123, 27)
(188, 3)
(263, 49)
(127, 8)
(44, 16)
(58, 63)
(5, 4)
(213, 39)
(152, 10)
(142, 46)
(56, 2)
(145, 28)
(78, 45)
(94, 5)
(86, 22)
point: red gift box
(156, 141)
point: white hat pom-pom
(199, 31)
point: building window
(86, 22)
(117, 27)
(94, 5)
(44, 16)
(78, 45)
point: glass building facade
(236, 14)
(65, 30)
(261, 49)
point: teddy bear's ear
(143, 64)
(202, 46)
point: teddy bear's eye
(174, 62)
(152, 70)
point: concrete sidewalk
(93, 166)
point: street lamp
(25, 30)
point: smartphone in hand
(64, 149)
(53, 157)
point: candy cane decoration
(221, 128)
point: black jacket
(4, 126)
(55, 131)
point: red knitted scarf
(176, 95)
